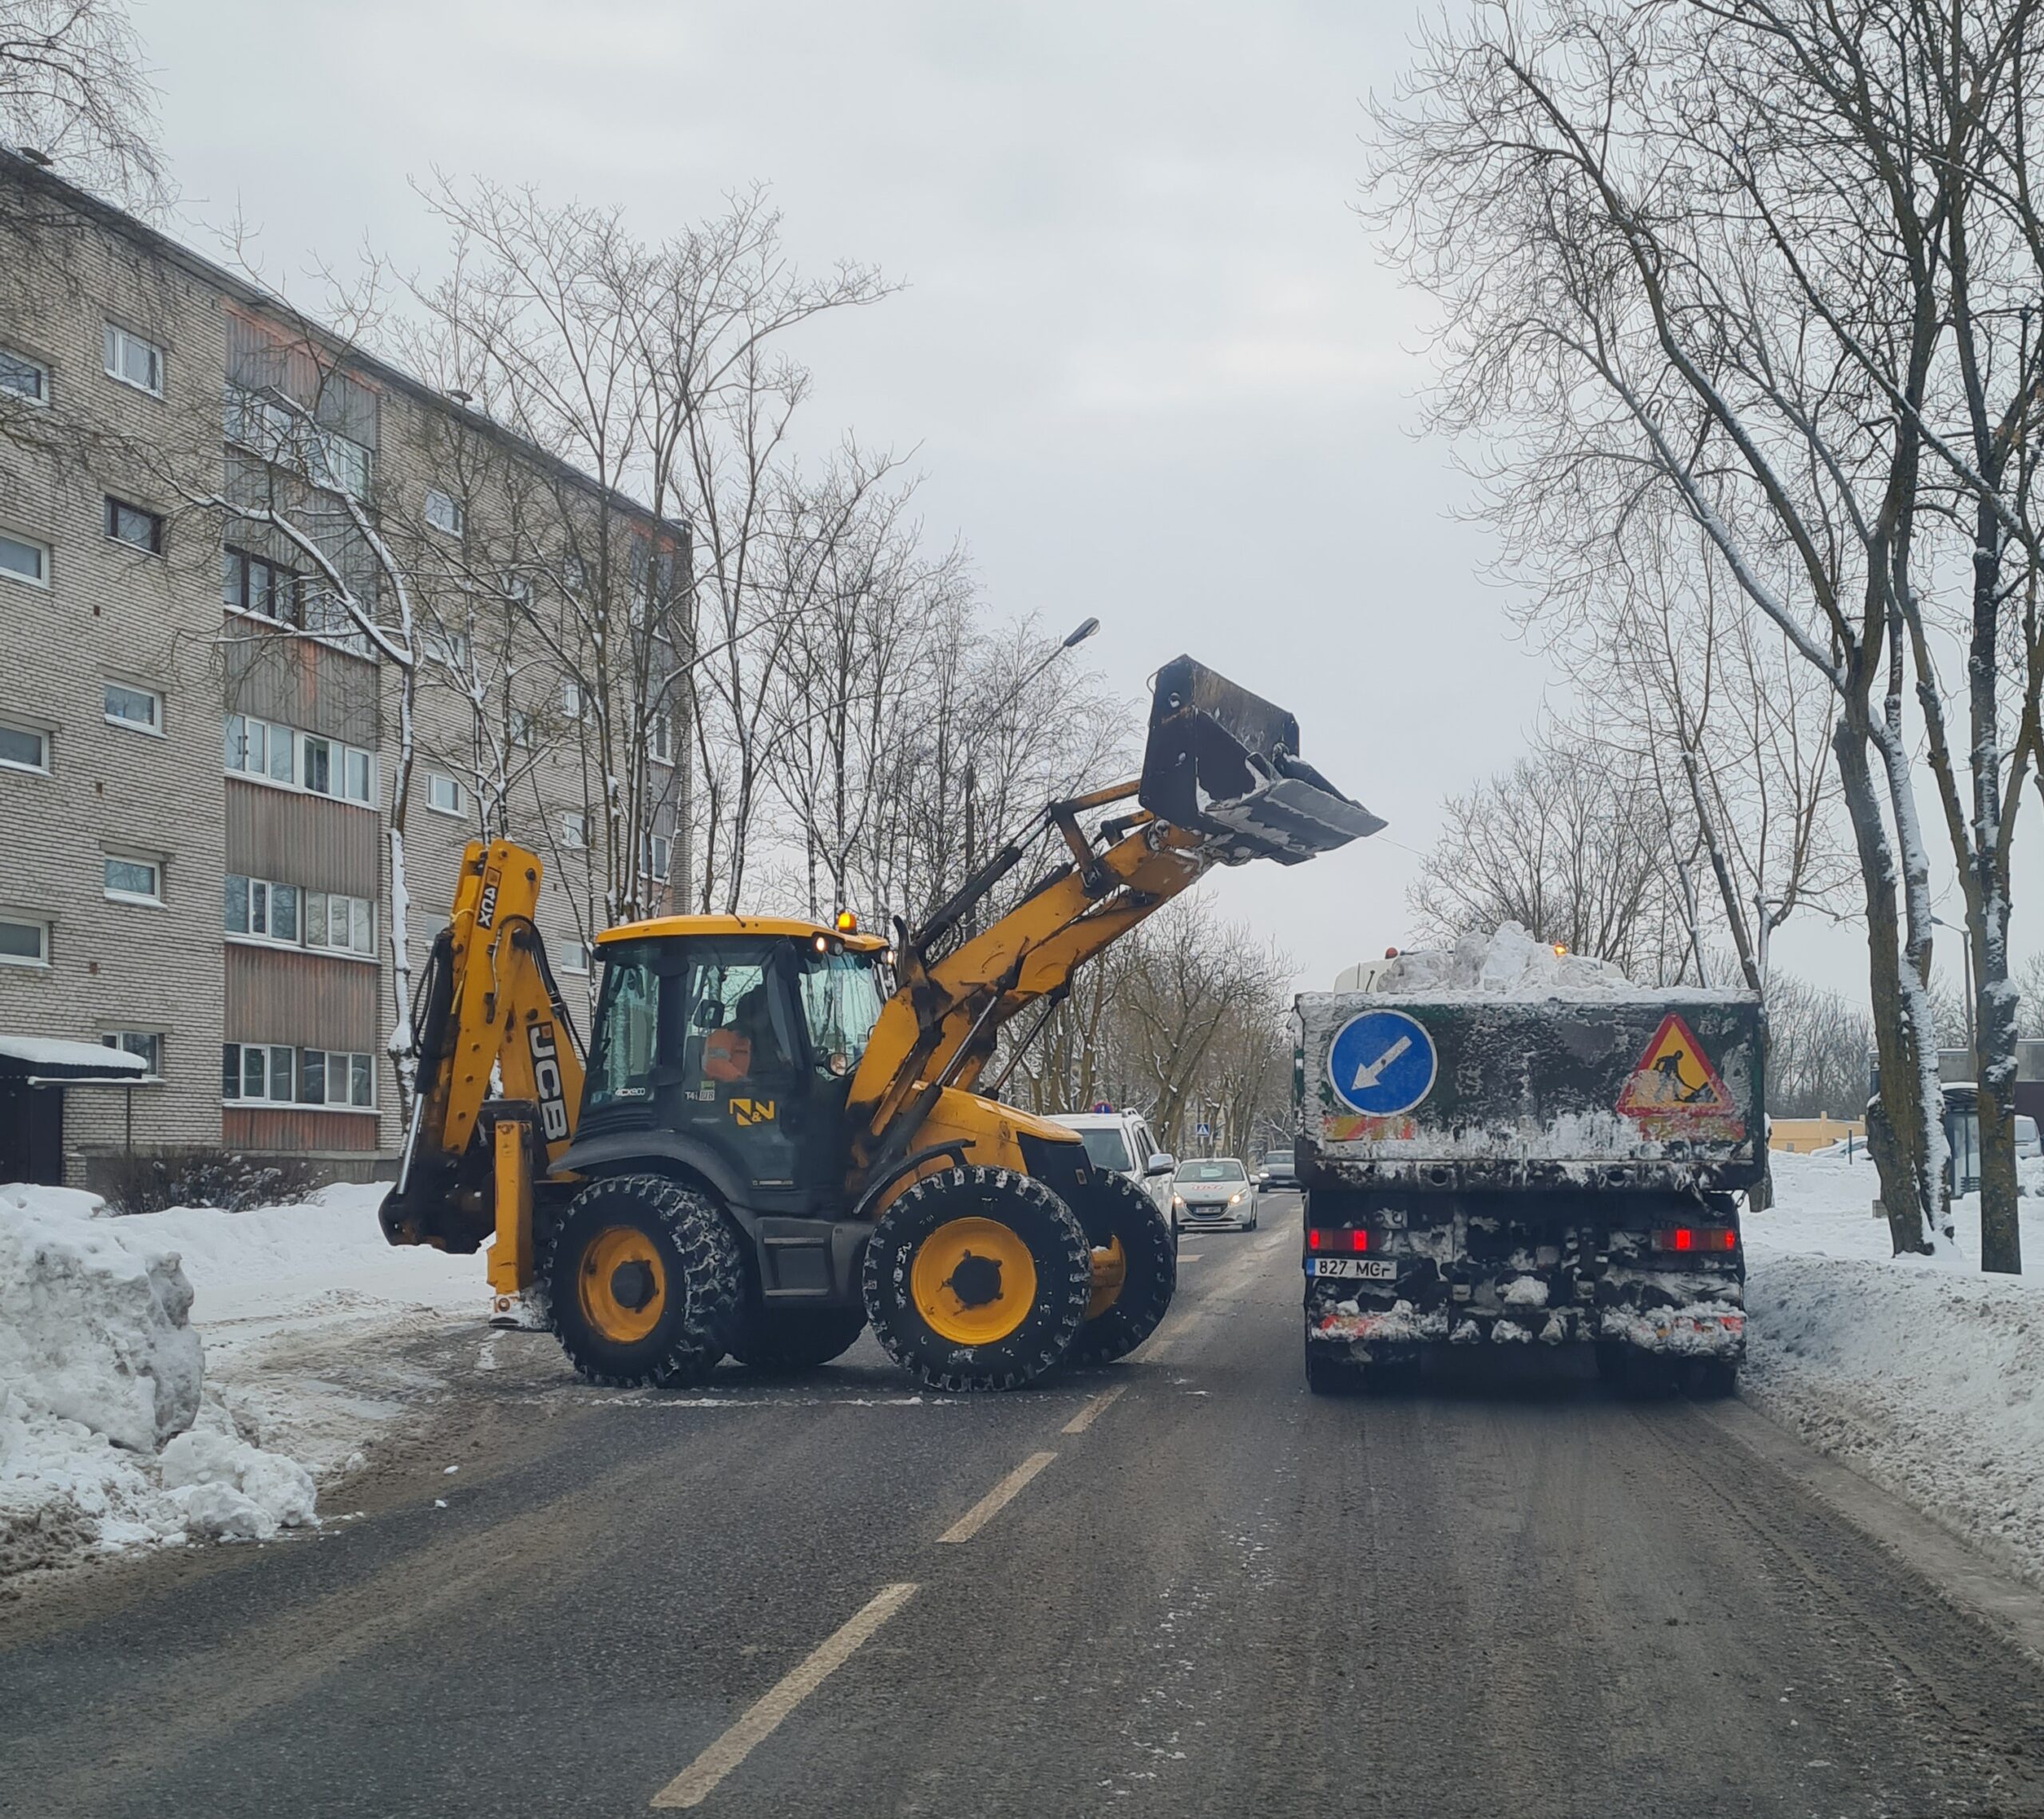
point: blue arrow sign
(1381, 1062)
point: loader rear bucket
(1225, 763)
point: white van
(1121, 1142)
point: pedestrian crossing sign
(1675, 1083)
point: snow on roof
(32, 1052)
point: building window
(571, 698)
(133, 361)
(341, 924)
(264, 1073)
(261, 910)
(341, 464)
(132, 524)
(24, 748)
(254, 583)
(524, 730)
(146, 1043)
(661, 741)
(25, 378)
(444, 513)
(128, 705)
(329, 1076)
(272, 1074)
(328, 768)
(24, 560)
(133, 881)
(574, 955)
(443, 795)
(24, 941)
(256, 748)
(658, 851)
(574, 828)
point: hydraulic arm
(489, 1011)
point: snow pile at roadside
(1919, 1373)
(1509, 963)
(111, 1431)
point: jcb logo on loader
(487, 904)
(752, 1111)
(546, 1081)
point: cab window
(628, 1025)
(841, 1001)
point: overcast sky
(1151, 364)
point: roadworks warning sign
(1676, 1089)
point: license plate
(1359, 1269)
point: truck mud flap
(1225, 763)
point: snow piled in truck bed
(118, 1428)
(1920, 1373)
(1511, 964)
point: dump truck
(772, 1140)
(1538, 1168)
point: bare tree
(74, 89)
(1706, 255)
(1818, 1050)
(1573, 847)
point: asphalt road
(1179, 1585)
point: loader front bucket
(1225, 763)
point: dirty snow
(171, 1376)
(1920, 1373)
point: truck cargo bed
(1465, 1091)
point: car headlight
(1233, 1199)
(1177, 1199)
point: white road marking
(996, 1500)
(1191, 1256)
(694, 1785)
(1087, 1416)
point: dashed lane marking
(1191, 1256)
(694, 1785)
(1087, 1416)
(996, 1500)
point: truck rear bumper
(1700, 1331)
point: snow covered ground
(111, 1437)
(1920, 1373)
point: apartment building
(251, 582)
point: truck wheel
(647, 1280)
(783, 1339)
(1139, 1271)
(977, 1278)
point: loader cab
(737, 1036)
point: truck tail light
(1319, 1237)
(1696, 1237)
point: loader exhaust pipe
(1224, 762)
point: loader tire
(779, 1340)
(1121, 1219)
(647, 1283)
(997, 1317)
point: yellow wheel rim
(973, 1281)
(1110, 1271)
(622, 1284)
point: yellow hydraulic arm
(489, 1006)
(939, 1029)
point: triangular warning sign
(1675, 1081)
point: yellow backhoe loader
(774, 1140)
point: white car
(1214, 1192)
(1121, 1142)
